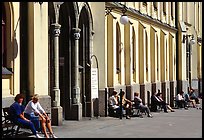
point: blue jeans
(34, 119)
(26, 123)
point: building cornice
(135, 14)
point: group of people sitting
(32, 116)
(114, 104)
(184, 99)
(156, 100)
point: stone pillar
(56, 108)
(76, 105)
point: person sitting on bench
(139, 104)
(155, 101)
(113, 104)
(16, 111)
(163, 103)
(180, 100)
(33, 108)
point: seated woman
(126, 104)
(113, 104)
(139, 104)
(34, 108)
(17, 114)
(159, 95)
(155, 101)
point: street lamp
(188, 53)
(124, 18)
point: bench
(136, 112)
(9, 128)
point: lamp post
(56, 108)
(189, 44)
(124, 18)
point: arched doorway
(67, 20)
(84, 62)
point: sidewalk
(179, 124)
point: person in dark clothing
(193, 96)
(155, 101)
(159, 96)
(126, 104)
(16, 111)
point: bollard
(121, 108)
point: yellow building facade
(150, 52)
(50, 48)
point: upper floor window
(144, 3)
(118, 48)
(164, 8)
(172, 10)
(155, 5)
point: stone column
(76, 105)
(56, 108)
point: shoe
(127, 117)
(38, 136)
(172, 111)
(149, 116)
(186, 108)
(53, 136)
(165, 111)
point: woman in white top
(34, 108)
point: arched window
(118, 49)
(157, 56)
(3, 33)
(155, 5)
(118, 53)
(164, 8)
(146, 48)
(133, 54)
(172, 10)
(167, 62)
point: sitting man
(180, 100)
(139, 104)
(155, 101)
(193, 96)
(113, 104)
(163, 103)
(188, 100)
